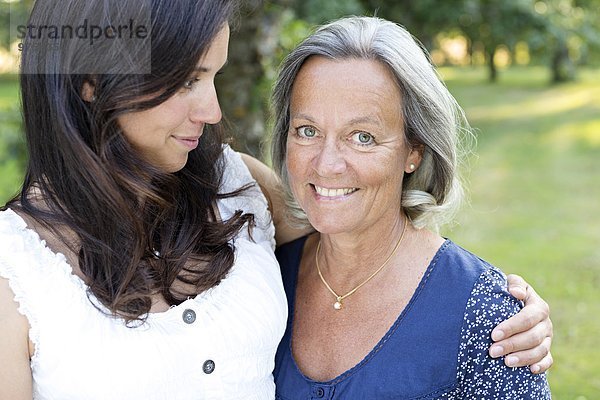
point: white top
(226, 352)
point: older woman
(366, 141)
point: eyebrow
(200, 68)
(366, 119)
(302, 116)
(358, 120)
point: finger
(528, 357)
(517, 286)
(521, 342)
(535, 311)
(534, 299)
(523, 321)
(543, 365)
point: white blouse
(220, 344)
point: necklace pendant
(337, 305)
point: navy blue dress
(436, 349)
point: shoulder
(240, 191)
(272, 188)
(15, 238)
(480, 375)
(31, 268)
(290, 254)
(235, 171)
(484, 284)
(459, 269)
(15, 348)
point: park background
(528, 75)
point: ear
(88, 91)
(414, 159)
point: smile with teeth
(325, 192)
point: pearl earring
(412, 167)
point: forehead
(216, 55)
(350, 86)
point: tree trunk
(562, 66)
(493, 72)
(242, 88)
(243, 118)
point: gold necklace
(338, 303)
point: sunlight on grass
(552, 101)
(535, 203)
(570, 133)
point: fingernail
(496, 351)
(511, 361)
(536, 369)
(497, 335)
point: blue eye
(363, 138)
(306, 131)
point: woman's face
(165, 134)
(346, 151)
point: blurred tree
(493, 23)
(489, 22)
(12, 11)
(268, 30)
(319, 11)
(424, 19)
(572, 29)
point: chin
(173, 167)
(329, 226)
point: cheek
(292, 161)
(384, 175)
(132, 125)
(297, 167)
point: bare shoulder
(10, 317)
(15, 372)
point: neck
(351, 257)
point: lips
(334, 192)
(189, 142)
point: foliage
(560, 32)
(11, 12)
(319, 11)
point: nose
(205, 107)
(330, 160)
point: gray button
(208, 367)
(189, 316)
(319, 392)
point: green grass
(9, 91)
(535, 202)
(11, 173)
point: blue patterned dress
(436, 349)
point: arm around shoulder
(15, 370)
(482, 376)
(272, 189)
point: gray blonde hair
(432, 118)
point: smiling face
(165, 134)
(346, 150)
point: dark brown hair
(121, 208)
